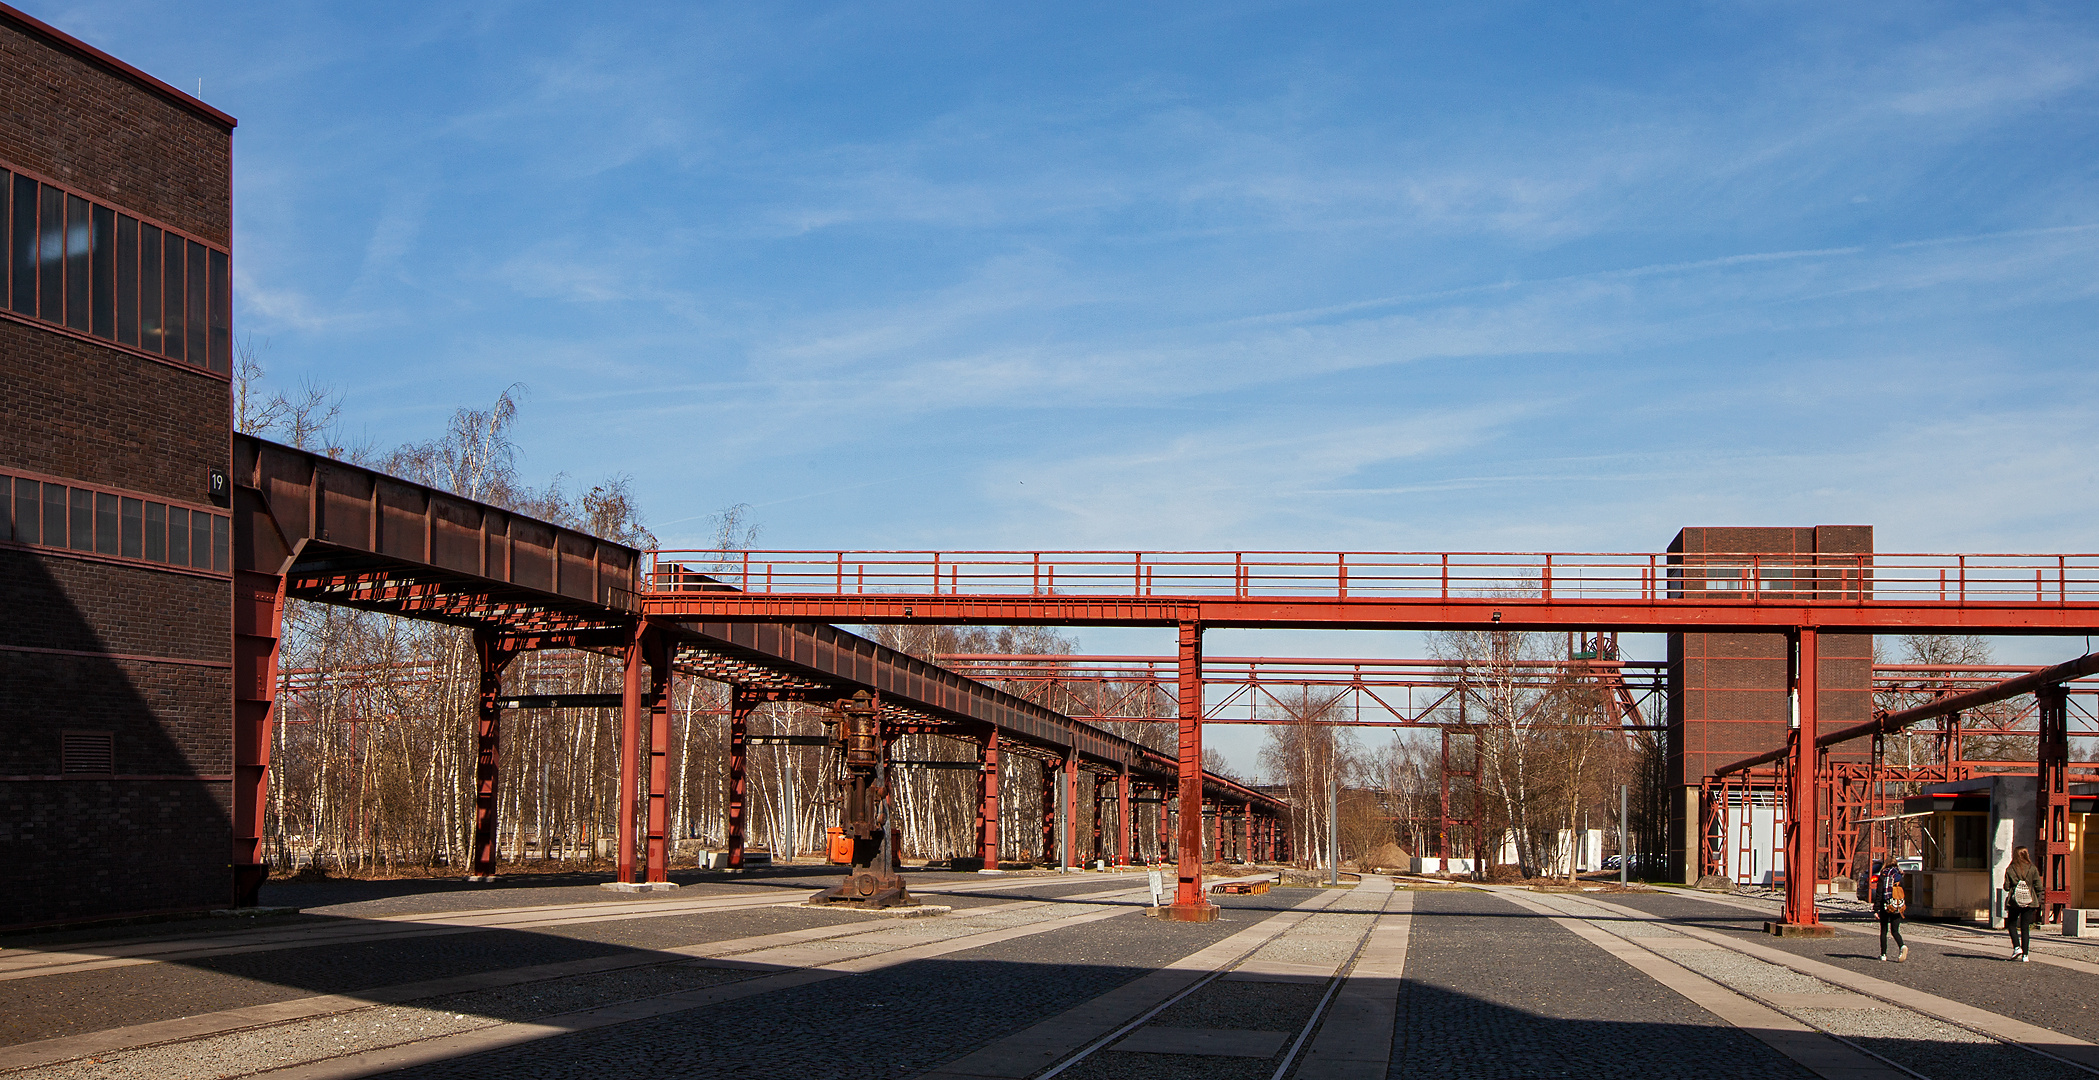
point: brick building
(115, 348)
(1729, 696)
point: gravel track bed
(1916, 1041)
(1943, 961)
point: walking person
(1889, 902)
(2023, 895)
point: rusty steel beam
(1888, 723)
(832, 657)
(368, 539)
(2028, 683)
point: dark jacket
(2031, 875)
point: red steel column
(2053, 835)
(1068, 782)
(1122, 817)
(656, 648)
(1801, 812)
(629, 754)
(1100, 812)
(493, 658)
(988, 802)
(1049, 815)
(740, 706)
(1189, 904)
(258, 623)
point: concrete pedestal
(1780, 929)
(1198, 912)
(638, 886)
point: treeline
(374, 758)
(1535, 757)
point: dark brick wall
(105, 135)
(81, 411)
(73, 409)
(166, 719)
(77, 850)
(71, 603)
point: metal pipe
(1333, 829)
(1625, 856)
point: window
(127, 281)
(22, 246)
(148, 288)
(111, 523)
(130, 549)
(1723, 579)
(1970, 847)
(51, 255)
(54, 515)
(178, 536)
(156, 532)
(171, 330)
(27, 515)
(105, 523)
(94, 269)
(81, 536)
(105, 287)
(79, 253)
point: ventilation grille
(88, 752)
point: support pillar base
(637, 886)
(1197, 912)
(1786, 929)
(481, 879)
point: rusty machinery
(856, 731)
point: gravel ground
(1493, 992)
(1943, 961)
(1915, 1041)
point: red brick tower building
(115, 348)
(1729, 696)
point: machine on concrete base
(871, 881)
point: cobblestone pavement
(1493, 988)
(1917, 1042)
(67, 1003)
(1492, 991)
(1328, 938)
(1946, 961)
(895, 1022)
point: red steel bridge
(308, 527)
(1801, 596)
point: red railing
(1372, 575)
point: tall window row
(79, 264)
(82, 519)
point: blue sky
(1382, 276)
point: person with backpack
(1889, 902)
(2023, 896)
